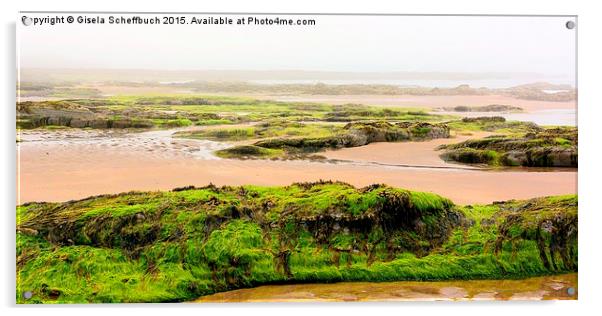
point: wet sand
(538, 288)
(420, 154)
(61, 168)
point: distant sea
(441, 83)
(552, 117)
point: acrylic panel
(242, 157)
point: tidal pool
(555, 287)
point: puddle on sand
(157, 142)
(554, 287)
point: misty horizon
(397, 78)
(366, 44)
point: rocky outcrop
(73, 114)
(555, 147)
(551, 223)
(395, 220)
(197, 241)
(484, 108)
(359, 134)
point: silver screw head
(570, 291)
(570, 25)
(26, 20)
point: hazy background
(394, 49)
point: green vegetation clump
(275, 128)
(485, 108)
(496, 124)
(550, 222)
(552, 147)
(249, 152)
(167, 111)
(55, 90)
(179, 245)
(359, 112)
(534, 91)
(351, 135)
(76, 86)
(173, 122)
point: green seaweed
(189, 242)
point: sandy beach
(419, 154)
(67, 166)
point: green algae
(323, 137)
(545, 147)
(167, 111)
(189, 242)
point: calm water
(562, 117)
(492, 83)
(557, 287)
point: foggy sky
(540, 45)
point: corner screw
(26, 20)
(27, 295)
(570, 291)
(570, 25)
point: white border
(590, 104)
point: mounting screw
(570, 291)
(26, 20)
(570, 25)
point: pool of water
(562, 117)
(556, 287)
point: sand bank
(60, 169)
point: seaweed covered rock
(550, 222)
(354, 135)
(178, 245)
(70, 113)
(135, 220)
(99, 114)
(484, 119)
(239, 236)
(554, 147)
(248, 151)
(493, 124)
(484, 108)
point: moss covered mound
(554, 147)
(485, 108)
(496, 124)
(172, 111)
(249, 151)
(272, 128)
(102, 114)
(354, 135)
(178, 245)
(551, 222)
